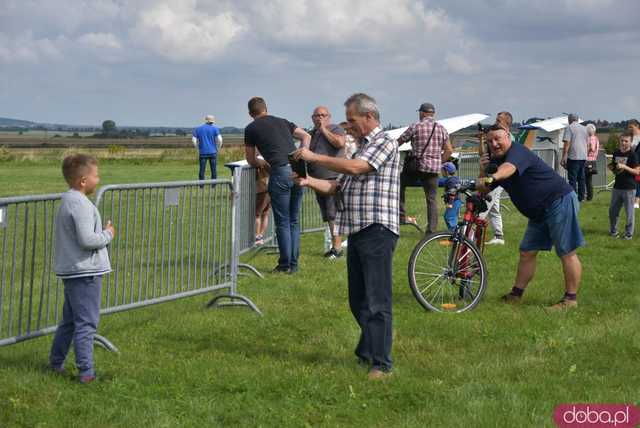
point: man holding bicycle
(550, 204)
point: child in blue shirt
(452, 202)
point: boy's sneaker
(627, 237)
(333, 254)
(563, 305)
(57, 370)
(85, 380)
(614, 235)
(495, 241)
(259, 240)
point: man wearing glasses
(327, 139)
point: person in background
(624, 165)
(634, 127)
(273, 137)
(451, 200)
(350, 143)
(327, 139)
(574, 156)
(505, 120)
(263, 203)
(208, 140)
(593, 148)
(431, 146)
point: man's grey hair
(364, 104)
(573, 117)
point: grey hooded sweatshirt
(80, 243)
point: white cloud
(341, 23)
(25, 49)
(458, 64)
(179, 31)
(100, 41)
(64, 18)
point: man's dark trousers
(369, 265)
(212, 164)
(430, 186)
(576, 176)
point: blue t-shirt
(206, 135)
(534, 186)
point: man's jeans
(575, 174)
(369, 266)
(80, 316)
(212, 164)
(286, 199)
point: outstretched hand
(300, 181)
(304, 154)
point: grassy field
(37, 139)
(184, 365)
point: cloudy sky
(168, 62)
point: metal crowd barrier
(30, 294)
(245, 176)
(173, 240)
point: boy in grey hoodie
(80, 260)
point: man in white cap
(208, 140)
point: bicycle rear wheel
(447, 274)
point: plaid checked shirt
(430, 160)
(372, 197)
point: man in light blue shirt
(207, 139)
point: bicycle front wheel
(447, 274)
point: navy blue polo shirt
(534, 186)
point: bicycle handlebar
(467, 187)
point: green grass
(184, 365)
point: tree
(612, 143)
(109, 128)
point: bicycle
(447, 272)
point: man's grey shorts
(327, 206)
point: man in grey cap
(574, 154)
(431, 146)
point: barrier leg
(252, 269)
(234, 300)
(104, 343)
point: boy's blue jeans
(451, 214)
(80, 316)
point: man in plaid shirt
(367, 196)
(431, 154)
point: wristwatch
(490, 179)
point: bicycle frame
(473, 228)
